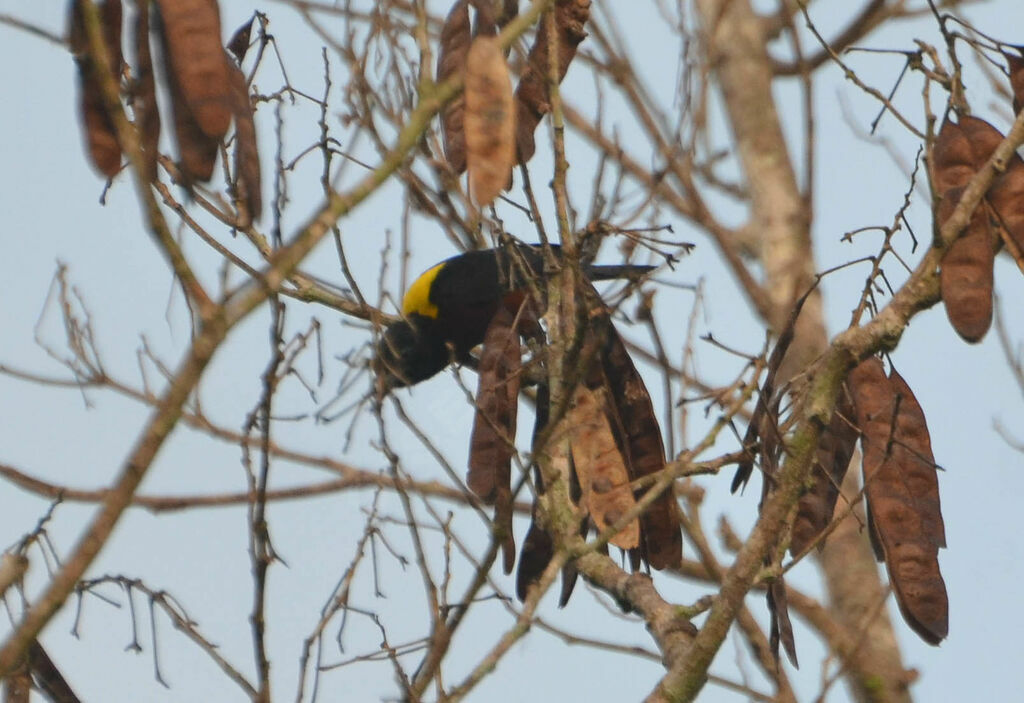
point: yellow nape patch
(417, 298)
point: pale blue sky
(50, 215)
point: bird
(447, 309)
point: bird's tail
(607, 272)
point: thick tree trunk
(781, 217)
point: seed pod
(1007, 200)
(489, 121)
(532, 101)
(781, 627)
(835, 449)
(952, 158)
(872, 399)
(492, 442)
(197, 151)
(100, 134)
(600, 467)
(983, 138)
(238, 45)
(1016, 66)
(631, 410)
(960, 150)
(144, 106)
(536, 554)
(248, 186)
(902, 494)
(196, 59)
(451, 61)
(967, 271)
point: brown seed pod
(100, 134)
(196, 150)
(908, 518)
(952, 158)
(781, 626)
(642, 447)
(196, 59)
(967, 271)
(902, 495)
(835, 449)
(1015, 63)
(538, 548)
(872, 400)
(1007, 200)
(238, 45)
(489, 121)
(535, 556)
(451, 61)
(532, 101)
(47, 677)
(960, 150)
(248, 186)
(983, 138)
(146, 111)
(599, 464)
(492, 442)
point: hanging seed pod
(248, 186)
(451, 61)
(489, 121)
(600, 467)
(532, 101)
(196, 59)
(1007, 200)
(1015, 63)
(632, 411)
(902, 495)
(100, 134)
(492, 442)
(145, 108)
(967, 271)
(835, 449)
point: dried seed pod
(100, 133)
(535, 556)
(532, 101)
(600, 467)
(872, 400)
(835, 449)
(492, 442)
(902, 494)
(983, 138)
(489, 121)
(1007, 200)
(1016, 65)
(144, 105)
(915, 457)
(908, 518)
(248, 186)
(238, 45)
(781, 626)
(960, 150)
(632, 411)
(451, 61)
(538, 548)
(47, 676)
(197, 151)
(509, 9)
(196, 59)
(967, 271)
(952, 158)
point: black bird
(446, 311)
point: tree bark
(781, 217)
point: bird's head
(409, 351)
